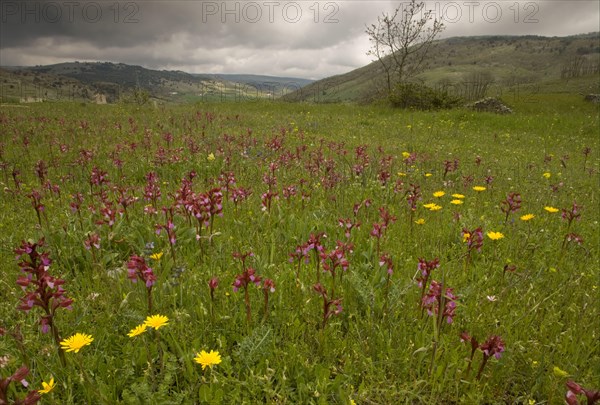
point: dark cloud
(307, 38)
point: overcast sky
(309, 39)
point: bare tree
(476, 84)
(400, 41)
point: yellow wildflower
(156, 256)
(495, 235)
(551, 209)
(439, 194)
(559, 373)
(138, 330)
(207, 359)
(456, 202)
(479, 188)
(527, 217)
(47, 387)
(76, 342)
(156, 321)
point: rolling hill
(117, 81)
(454, 63)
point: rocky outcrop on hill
(490, 104)
(593, 98)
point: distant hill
(273, 85)
(22, 85)
(117, 81)
(455, 63)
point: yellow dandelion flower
(420, 221)
(428, 205)
(459, 196)
(47, 387)
(405, 154)
(551, 209)
(439, 194)
(456, 202)
(138, 330)
(495, 235)
(207, 359)
(210, 157)
(527, 217)
(401, 174)
(547, 175)
(76, 342)
(479, 188)
(156, 256)
(156, 321)
(428, 174)
(435, 207)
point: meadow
(265, 252)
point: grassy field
(331, 254)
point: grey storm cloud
(305, 38)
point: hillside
(453, 63)
(113, 81)
(117, 81)
(26, 86)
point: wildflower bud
(320, 289)
(213, 283)
(45, 323)
(23, 282)
(269, 285)
(20, 375)
(573, 386)
(32, 398)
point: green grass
(381, 348)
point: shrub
(421, 97)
